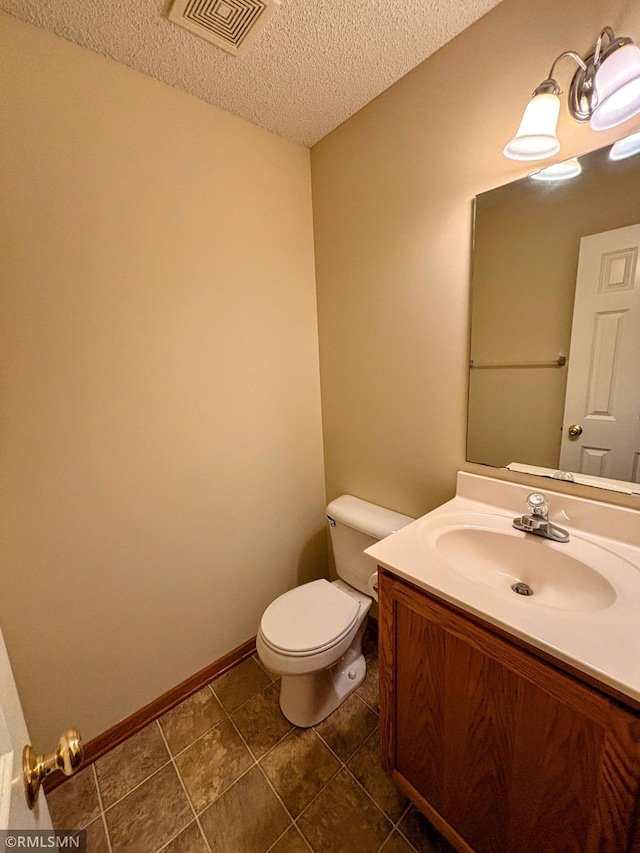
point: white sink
(585, 606)
(487, 549)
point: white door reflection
(603, 390)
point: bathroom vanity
(513, 722)
(500, 749)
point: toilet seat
(309, 619)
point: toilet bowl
(312, 635)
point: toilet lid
(309, 617)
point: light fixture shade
(558, 171)
(629, 146)
(617, 86)
(536, 137)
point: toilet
(312, 635)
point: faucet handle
(538, 503)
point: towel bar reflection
(557, 362)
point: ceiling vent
(230, 24)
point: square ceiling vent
(230, 24)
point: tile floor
(225, 772)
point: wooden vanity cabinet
(503, 752)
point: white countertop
(603, 643)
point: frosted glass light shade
(536, 137)
(627, 147)
(559, 171)
(617, 86)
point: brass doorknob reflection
(575, 430)
(35, 768)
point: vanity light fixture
(605, 90)
(558, 171)
(629, 146)
(536, 137)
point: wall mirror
(554, 380)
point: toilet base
(306, 700)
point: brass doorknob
(575, 430)
(35, 768)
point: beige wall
(161, 436)
(161, 433)
(393, 190)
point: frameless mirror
(554, 380)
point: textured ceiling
(316, 63)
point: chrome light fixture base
(581, 97)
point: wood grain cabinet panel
(502, 751)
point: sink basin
(500, 559)
(585, 606)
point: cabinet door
(512, 754)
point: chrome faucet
(537, 522)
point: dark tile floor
(225, 772)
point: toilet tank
(355, 525)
